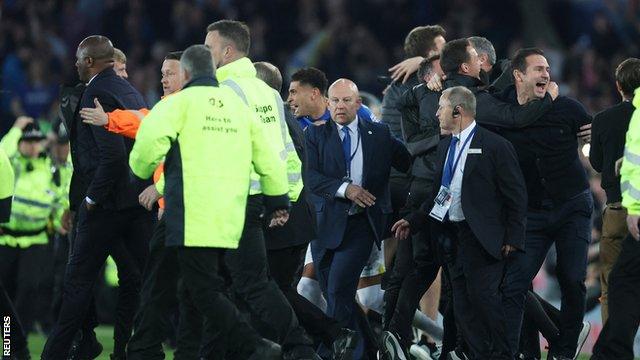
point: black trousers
(285, 267)
(20, 272)
(206, 291)
(476, 277)
(414, 269)
(98, 232)
(617, 336)
(157, 299)
(248, 270)
(539, 316)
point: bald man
(105, 198)
(348, 163)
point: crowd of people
(239, 225)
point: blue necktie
(346, 149)
(447, 175)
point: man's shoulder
(620, 111)
(492, 139)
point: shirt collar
(353, 126)
(90, 80)
(466, 132)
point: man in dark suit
(105, 195)
(478, 209)
(347, 173)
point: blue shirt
(363, 113)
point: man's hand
(160, 213)
(279, 218)
(553, 89)
(507, 250)
(360, 196)
(401, 229)
(94, 116)
(618, 166)
(66, 221)
(632, 225)
(22, 122)
(403, 70)
(89, 206)
(585, 134)
(149, 196)
(435, 84)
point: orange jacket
(127, 123)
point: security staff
(24, 237)
(206, 188)
(616, 338)
(229, 43)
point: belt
(19, 233)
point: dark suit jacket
(494, 197)
(325, 171)
(100, 158)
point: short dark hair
(420, 40)
(196, 60)
(454, 54)
(234, 31)
(519, 61)
(174, 55)
(270, 74)
(312, 77)
(426, 66)
(628, 76)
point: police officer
(210, 138)
(24, 238)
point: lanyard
(455, 163)
(352, 156)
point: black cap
(32, 132)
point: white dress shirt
(356, 162)
(455, 211)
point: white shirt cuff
(342, 190)
(88, 200)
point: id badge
(441, 204)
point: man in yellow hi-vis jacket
(210, 139)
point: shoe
(301, 352)
(392, 348)
(266, 350)
(457, 355)
(344, 345)
(420, 352)
(582, 337)
(86, 348)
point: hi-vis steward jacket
(630, 172)
(210, 138)
(36, 196)
(7, 179)
(240, 75)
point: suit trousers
(157, 299)
(617, 336)
(568, 226)
(614, 230)
(98, 231)
(476, 278)
(285, 267)
(338, 271)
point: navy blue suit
(344, 242)
(116, 226)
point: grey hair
(463, 97)
(197, 61)
(484, 46)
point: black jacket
(548, 151)
(607, 145)
(100, 158)
(421, 129)
(391, 108)
(493, 193)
